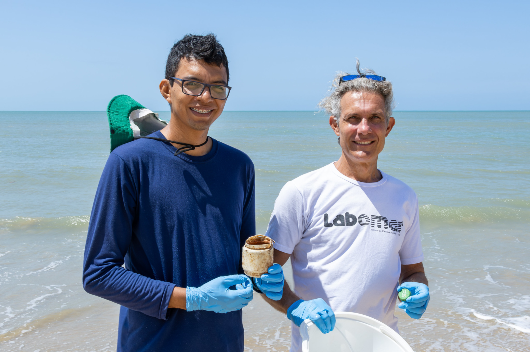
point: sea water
(471, 171)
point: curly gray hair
(331, 103)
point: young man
(352, 232)
(171, 214)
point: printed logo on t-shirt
(376, 222)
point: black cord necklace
(185, 146)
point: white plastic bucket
(352, 333)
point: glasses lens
(219, 92)
(192, 87)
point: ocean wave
(474, 215)
(504, 210)
(518, 323)
(28, 225)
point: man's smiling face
(362, 126)
(191, 112)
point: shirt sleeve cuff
(283, 248)
(410, 261)
(164, 302)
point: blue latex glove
(419, 298)
(271, 284)
(317, 310)
(217, 295)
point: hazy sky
(444, 55)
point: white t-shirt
(347, 240)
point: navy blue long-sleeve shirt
(173, 221)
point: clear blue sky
(444, 55)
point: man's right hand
(317, 310)
(217, 295)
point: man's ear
(334, 125)
(391, 123)
(165, 87)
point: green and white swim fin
(128, 120)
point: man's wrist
(178, 298)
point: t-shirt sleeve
(286, 225)
(109, 236)
(411, 251)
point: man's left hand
(419, 298)
(271, 284)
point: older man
(352, 232)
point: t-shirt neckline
(355, 182)
(187, 157)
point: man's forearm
(416, 277)
(288, 298)
(127, 288)
(413, 273)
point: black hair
(198, 47)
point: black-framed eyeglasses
(352, 77)
(217, 91)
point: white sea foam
(9, 315)
(489, 279)
(519, 323)
(35, 302)
(483, 316)
(50, 266)
(2, 254)
(521, 303)
(520, 270)
(79, 220)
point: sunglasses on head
(352, 77)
